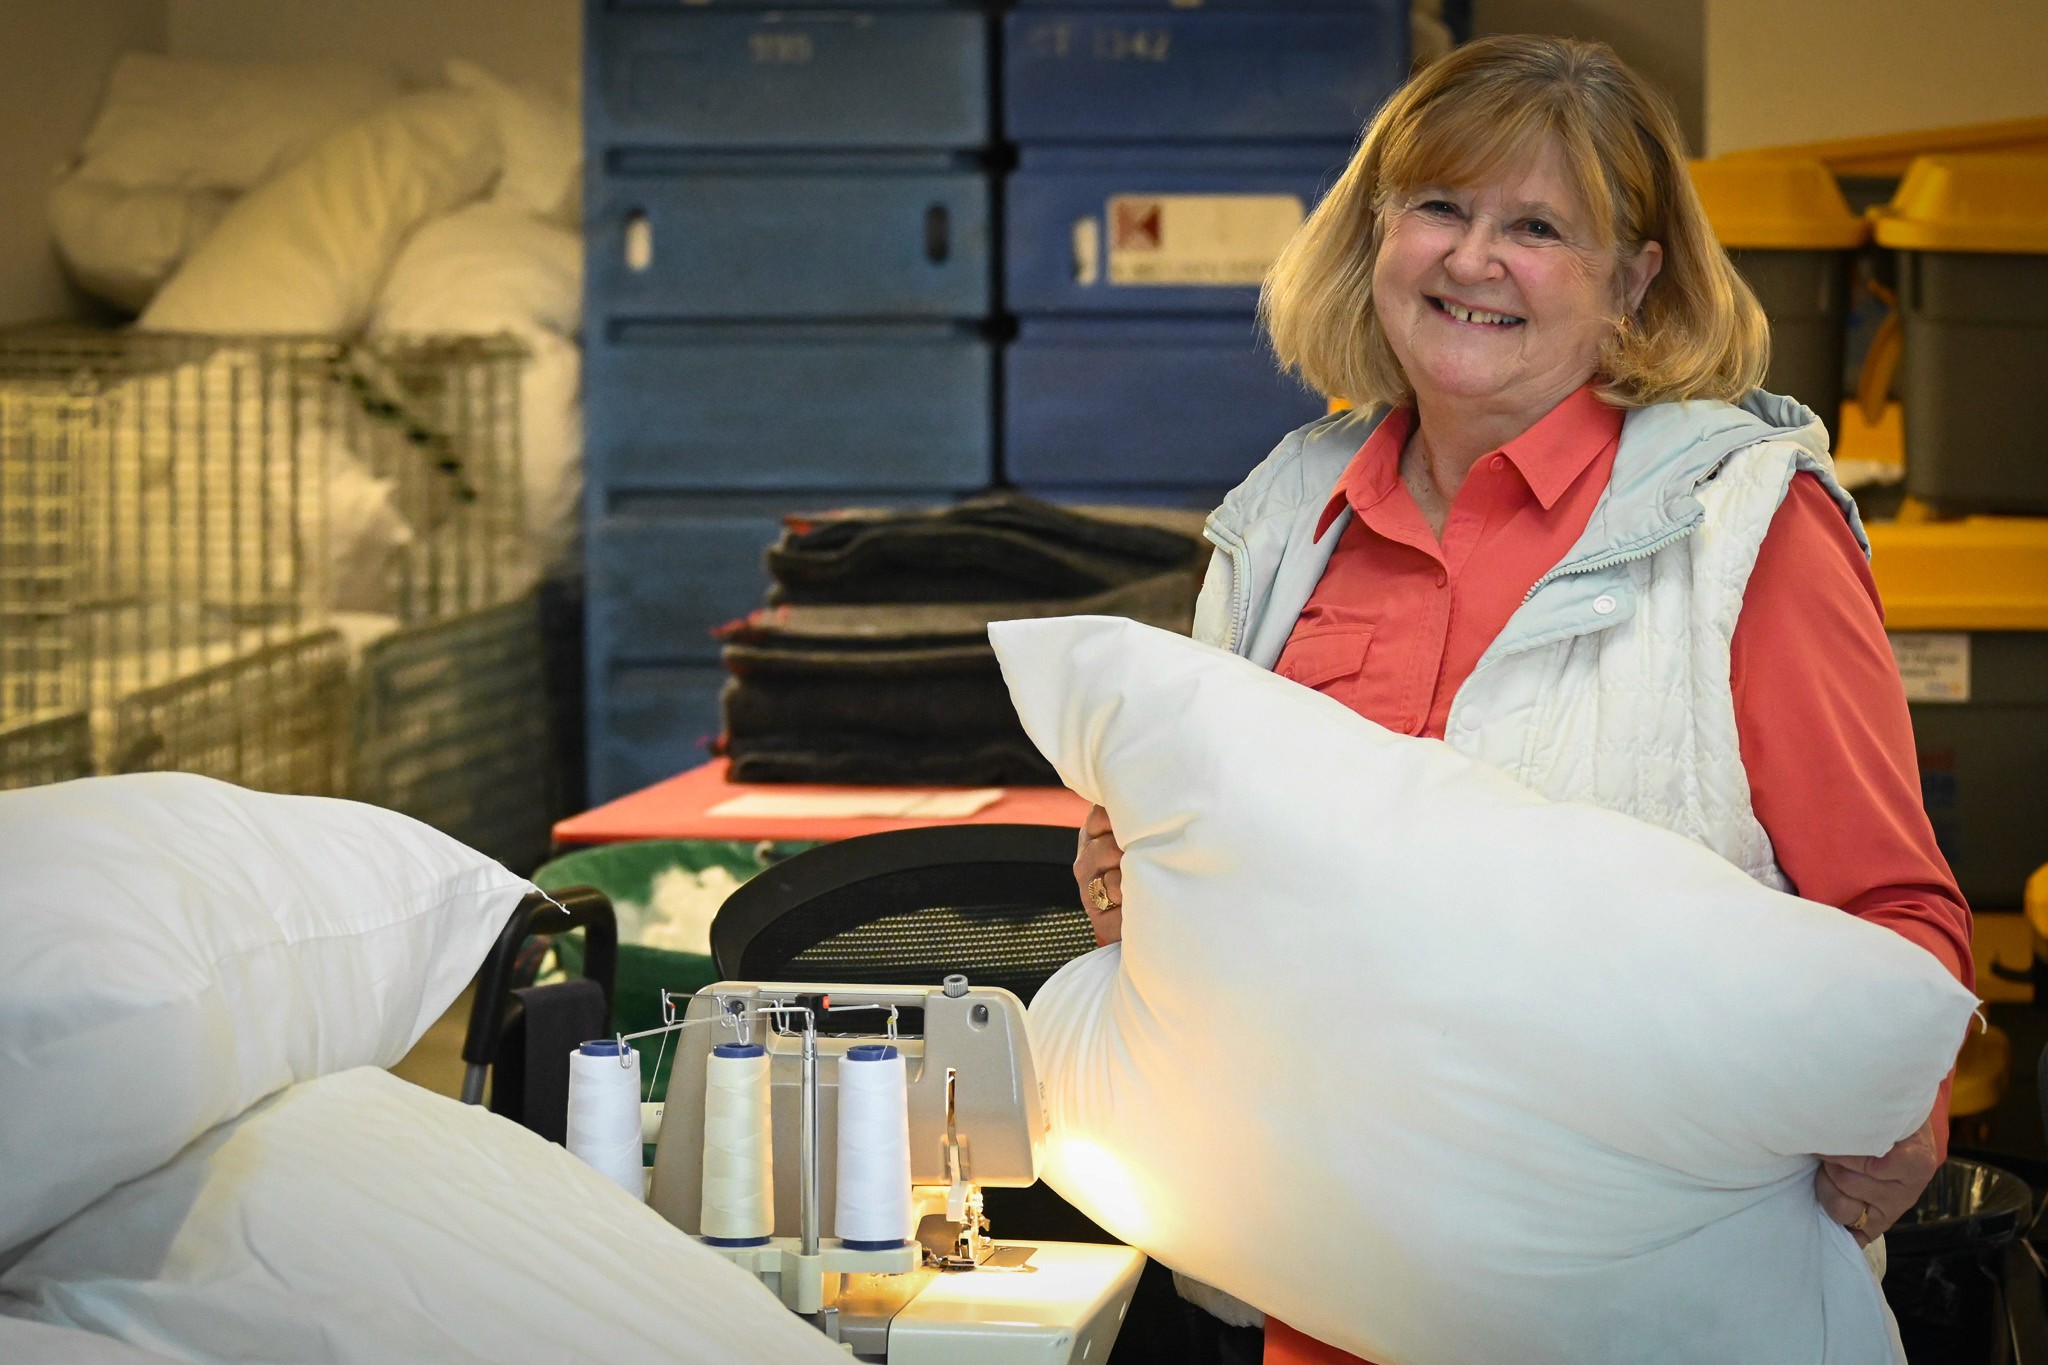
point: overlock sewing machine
(976, 1120)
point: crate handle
(1087, 240)
(938, 234)
(639, 241)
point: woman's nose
(1472, 257)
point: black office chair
(993, 902)
(520, 1035)
(996, 903)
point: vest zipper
(1612, 558)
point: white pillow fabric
(493, 268)
(174, 123)
(358, 1218)
(487, 267)
(304, 253)
(1439, 1071)
(173, 949)
(120, 244)
(543, 140)
(34, 1343)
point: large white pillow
(358, 1218)
(543, 140)
(33, 1343)
(175, 123)
(304, 253)
(487, 267)
(1437, 1070)
(121, 244)
(173, 948)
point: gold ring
(1862, 1221)
(1098, 894)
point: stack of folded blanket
(871, 663)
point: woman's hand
(1867, 1194)
(1098, 871)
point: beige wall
(534, 40)
(1813, 70)
(53, 66)
(1663, 39)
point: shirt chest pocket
(1326, 654)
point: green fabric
(626, 872)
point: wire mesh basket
(184, 520)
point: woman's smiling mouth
(1472, 316)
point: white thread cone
(873, 1203)
(739, 1185)
(604, 1113)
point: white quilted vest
(1639, 716)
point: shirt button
(1603, 605)
(1442, 578)
(1500, 462)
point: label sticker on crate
(1934, 666)
(1212, 239)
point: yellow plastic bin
(1966, 605)
(1792, 235)
(1972, 238)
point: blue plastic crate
(834, 77)
(647, 724)
(1130, 403)
(1155, 229)
(770, 238)
(661, 579)
(743, 407)
(1139, 74)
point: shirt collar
(1550, 456)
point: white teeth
(1476, 315)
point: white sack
(358, 1218)
(175, 123)
(120, 244)
(1439, 1071)
(303, 253)
(173, 949)
(543, 139)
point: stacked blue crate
(1165, 152)
(787, 225)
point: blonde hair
(1475, 113)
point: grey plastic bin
(1972, 238)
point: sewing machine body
(976, 1119)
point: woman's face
(1501, 294)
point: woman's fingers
(1869, 1194)
(1098, 874)
(1842, 1207)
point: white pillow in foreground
(359, 1218)
(1439, 1071)
(173, 949)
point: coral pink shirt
(1400, 618)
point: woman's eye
(1536, 227)
(1438, 208)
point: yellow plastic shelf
(1983, 1069)
(1970, 203)
(1776, 203)
(1888, 154)
(1979, 573)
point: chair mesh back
(914, 927)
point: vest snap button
(1603, 605)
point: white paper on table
(939, 805)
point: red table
(680, 809)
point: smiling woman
(1562, 530)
